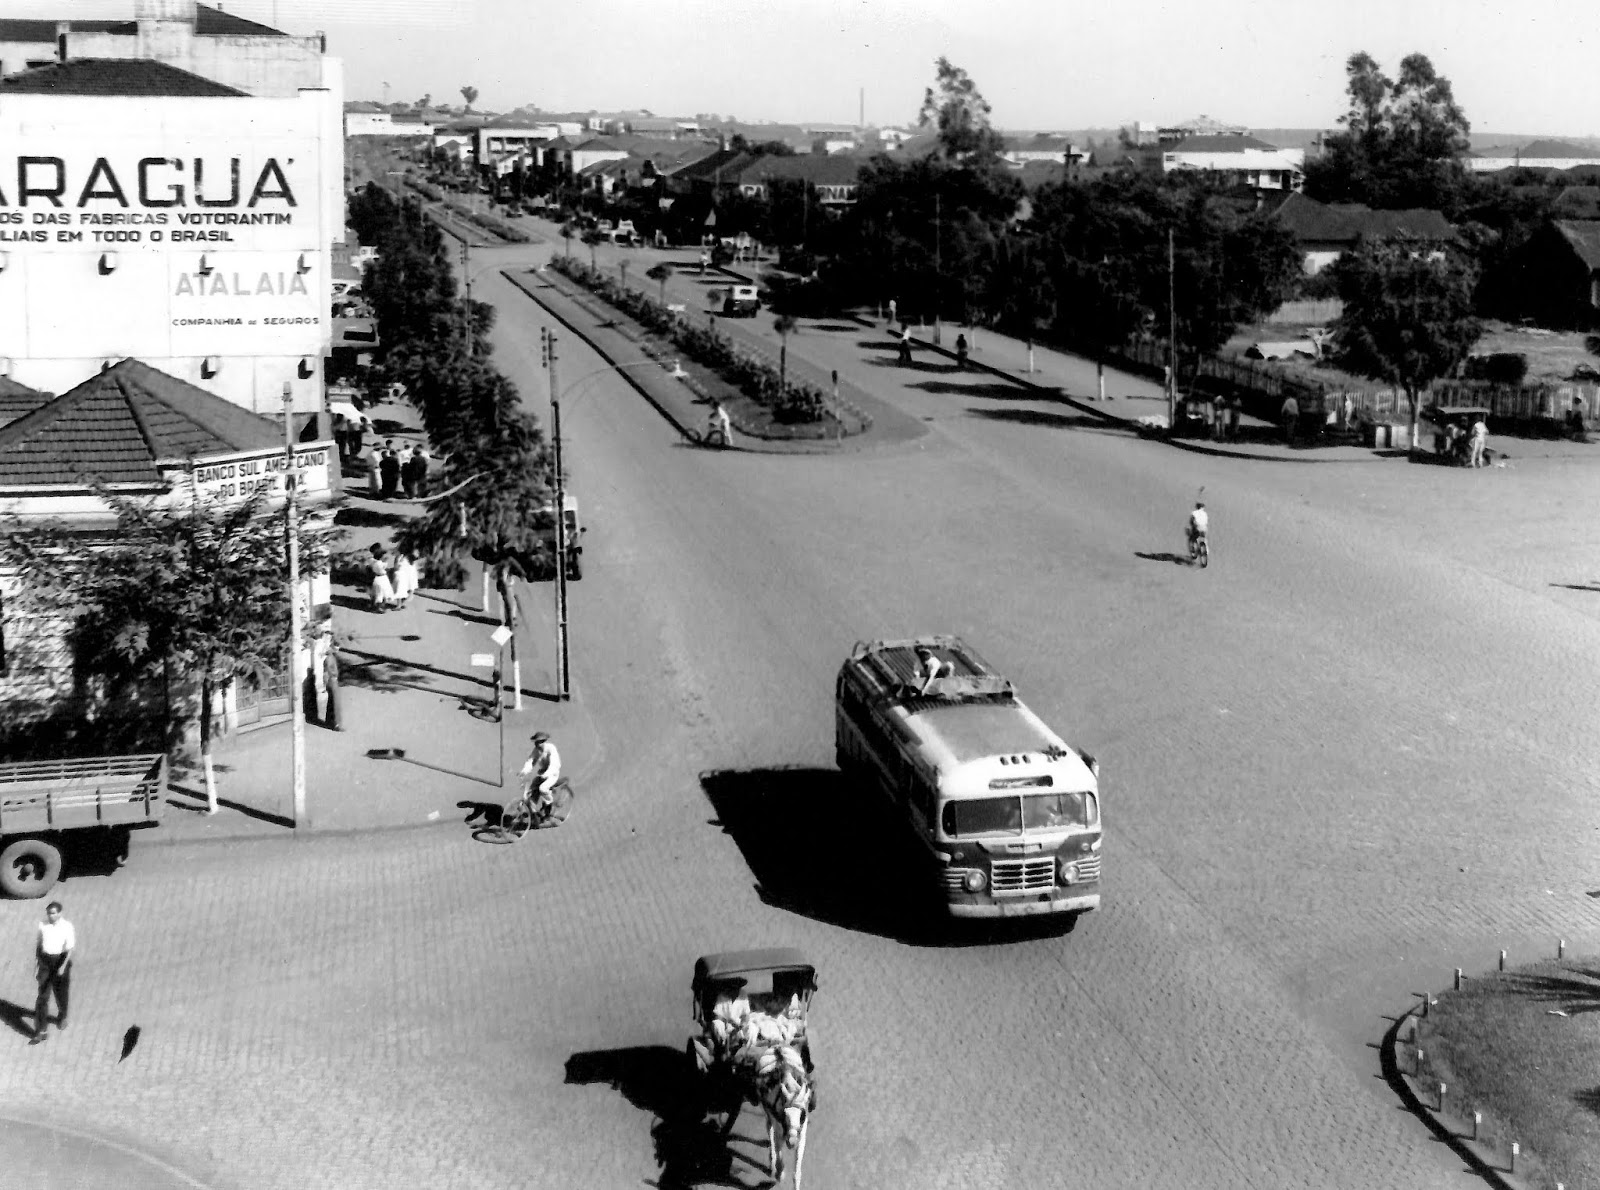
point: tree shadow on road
(1044, 417)
(1576, 991)
(690, 1151)
(976, 387)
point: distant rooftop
(209, 22)
(142, 77)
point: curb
(1483, 1159)
(672, 419)
(1057, 394)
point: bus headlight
(974, 882)
(1069, 871)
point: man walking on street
(53, 955)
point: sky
(1520, 68)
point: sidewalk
(407, 684)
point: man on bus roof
(929, 668)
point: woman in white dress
(382, 589)
(405, 578)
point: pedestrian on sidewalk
(389, 472)
(891, 311)
(419, 456)
(1233, 417)
(405, 578)
(408, 472)
(341, 436)
(961, 353)
(905, 343)
(1290, 416)
(382, 589)
(53, 969)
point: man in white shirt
(54, 969)
(542, 770)
(1199, 523)
(929, 669)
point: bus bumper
(1031, 907)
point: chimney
(62, 29)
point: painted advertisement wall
(183, 231)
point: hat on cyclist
(541, 737)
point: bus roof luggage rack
(893, 663)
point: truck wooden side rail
(46, 805)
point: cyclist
(541, 771)
(719, 426)
(1199, 525)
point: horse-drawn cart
(754, 1047)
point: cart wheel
(29, 868)
(516, 819)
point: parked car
(742, 301)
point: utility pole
(938, 265)
(563, 670)
(297, 722)
(1172, 341)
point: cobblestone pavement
(1349, 756)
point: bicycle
(1199, 549)
(521, 815)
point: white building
(1237, 160)
(151, 214)
(1541, 154)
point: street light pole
(1172, 341)
(297, 724)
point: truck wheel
(29, 868)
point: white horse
(786, 1095)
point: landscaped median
(767, 405)
(1507, 1063)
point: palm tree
(566, 234)
(592, 237)
(784, 325)
(661, 273)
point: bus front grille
(1088, 868)
(1021, 876)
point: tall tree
(1403, 141)
(1408, 316)
(959, 112)
(470, 94)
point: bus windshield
(1013, 815)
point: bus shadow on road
(690, 1150)
(822, 847)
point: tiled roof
(724, 164)
(1222, 143)
(817, 168)
(1584, 236)
(1555, 149)
(1312, 222)
(116, 425)
(213, 22)
(113, 76)
(23, 29)
(1578, 202)
(17, 400)
(209, 22)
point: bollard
(1441, 1098)
(1477, 1118)
(1515, 1149)
(1458, 979)
(1502, 960)
(1561, 948)
(1416, 1067)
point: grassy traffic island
(760, 401)
(1521, 1047)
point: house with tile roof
(1042, 146)
(833, 177)
(1326, 231)
(1554, 278)
(1235, 159)
(143, 434)
(197, 38)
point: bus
(1007, 813)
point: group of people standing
(393, 582)
(392, 471)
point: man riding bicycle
(541, 772)
(1199, 524)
